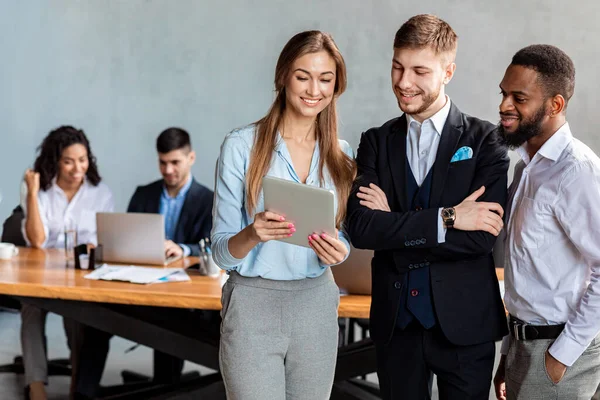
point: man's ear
(449, 73)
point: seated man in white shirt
(552, 251)
(64, 189)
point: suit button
(414, 293)
(427, 264)
(418, 208)
(407, 243)
(397, 285)
(410, 266)
(423, 240)
(412, 242)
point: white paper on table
(134, 274)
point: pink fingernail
(289, 235)
(290, 225)
(293, 230)
(315, 236)
(323, 235)
(309, 238)
(281, 218)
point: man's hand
(555, 369)
(373, 197)
(472, 215)
(172, 249)
(499, 382)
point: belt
(521, 330)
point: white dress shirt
(552, 248)
(57, 212)
(422, 142)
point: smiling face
(175, 166)
(73, 165)
(419, 77)
(310, 84)
(523, 107)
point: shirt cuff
(222, 256)
(186, 250)
(441, 228)
(505, 344)
(566, 350)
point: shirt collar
(279, 143)
(281, 148)
(54, 186)
(438, 119)
(553, 147)
(182, 192)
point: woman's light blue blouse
(273, 259)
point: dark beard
(527, 129)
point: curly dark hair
(555, 68)
(51, 151)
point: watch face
(448, 213)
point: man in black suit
(187, 208)
(428, 199)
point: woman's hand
(266, 226)
(32, 179)
(270, 226)
(330, 250)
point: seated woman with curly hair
(64, 190)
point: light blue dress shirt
(273, 259)
(170, 208)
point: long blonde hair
(340, 166)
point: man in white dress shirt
(552, 248)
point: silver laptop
(135, 238)
(353, 276)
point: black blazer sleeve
(203, 224)
(491, 172)
(380, 230)
(135, 204)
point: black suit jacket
(465, 290)
(195, 220)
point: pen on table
(203, 253)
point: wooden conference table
(41, 278)
(42, 273)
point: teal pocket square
(464, 153)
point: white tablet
(310, 209)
